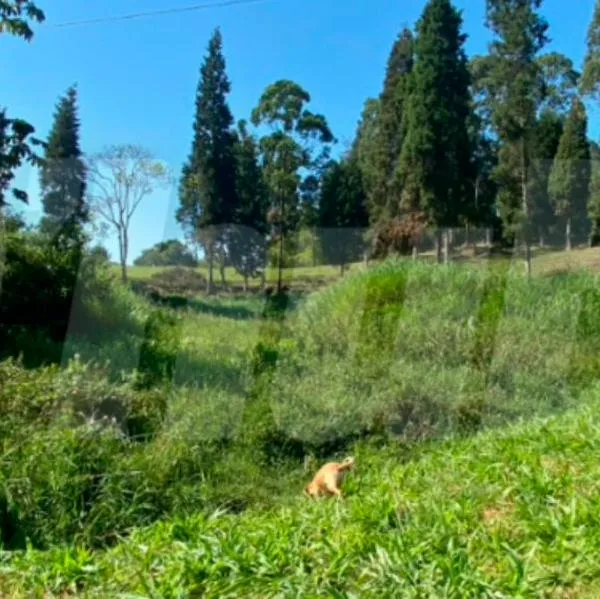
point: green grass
(404, 364)
(509, 513)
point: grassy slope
(504, 514)
(507, 513)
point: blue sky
(137, 78)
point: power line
(158, 12)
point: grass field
(469, 396)
(504, 514)
(545, 261)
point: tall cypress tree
(63, 175)
(390, 129)
(569, 180)
(207, 192)
(435, 163)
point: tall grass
(505, 514)
(426, 349)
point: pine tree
(513, 88)
(435, 163)
(569, 180)
(207, 191)
(63, 176)
(390, 131)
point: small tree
(569, 180)
(120, 177)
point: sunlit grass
(502, 514)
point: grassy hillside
(503, 514)
(195, 490)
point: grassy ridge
(503, 514)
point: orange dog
(329, 478)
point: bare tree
(120, 177)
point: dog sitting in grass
(329, 478)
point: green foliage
(207, 190)
(15, 16)
(246, 245)
(590, 80)
(594, 194)
(167, 253)
(343, 215)
(290, 148)
(15, 134)
(569, 180)
(548, 131)
(435, 162)
(390, 131)
(15, 137)
(508, 513)
(63, 176)
(514, 95)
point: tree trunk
(245, 283)
(525, 207)
(366, 258)
(415, 252)
(446, 246)
(488, 237)
(123, 249)
(280, 264)
(438, 246)
(222, 272)
(568, 235)
(467, 235)
(210, 282)
(527, 249)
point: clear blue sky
(137, 78)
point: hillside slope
(506, 513)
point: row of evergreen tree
(496, 142)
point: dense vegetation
(155, 436)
